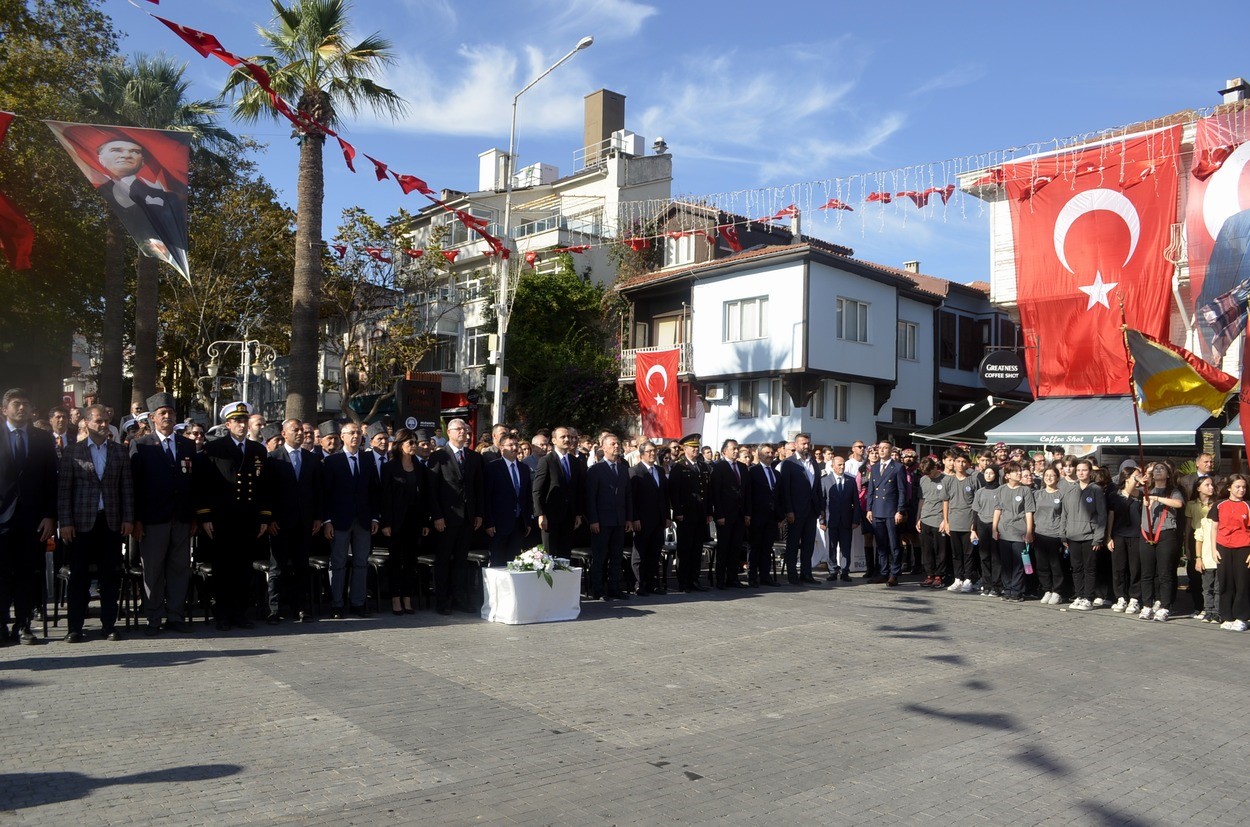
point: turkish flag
(655, 380)
(1084, 246)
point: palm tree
(314, 64)
(149, 92)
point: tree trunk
(147, 288)
(301, 397)
(109, 386)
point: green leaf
(547, 576)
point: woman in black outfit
(405, 517)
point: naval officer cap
(235, 410)
(692, 439)
(129, 423)
(162, 400)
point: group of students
(1098, 540)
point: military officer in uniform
(232, 506)
(688, 486)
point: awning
(971, 423)
(1097, 421)
(1233, 435)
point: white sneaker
(1201, 615)
(1157, 606)
(1133, 607)
(1081, 605)
(1146, 613)
(1099, 603)
(1055, 599)
(955, 585)
(1162, 615)
(1046, 597)
(967, 587)
(1239, 626)
(1075, 604)
(1227, 625)
(1119, 605)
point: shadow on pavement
(988, 720)
(126, 660)
(33, 789)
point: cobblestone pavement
(834, 705)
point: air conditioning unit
(716, 392)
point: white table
(524, 596)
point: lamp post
(504, 309)
(254, 357)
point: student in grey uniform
(963, 489)
(1049, 529)
(983, 543)
(1160, 546)
(1085, 528)
(931, 523)
(1013, 529)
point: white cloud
(950, 79)
(441, 12)
(604, 19)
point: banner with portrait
(142, 175)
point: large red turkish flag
(658, 399)
(1090, 229)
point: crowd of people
(175, 497)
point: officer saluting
(232, 506)
(688, 486)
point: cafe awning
(1233, 435)
(1097, 421)
(971, 423)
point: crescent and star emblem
(646, 381)
(1090, 201)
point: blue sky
(750, 97)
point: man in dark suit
(231, 495)
(162, 463)
(841, 516)
(509, 502)
(352, 515)
(648, 488)
(379, 445)
(296, 490)
(609, 511)
(96, 503)
(800, 501)
(731, 491)
(559, 493)
(457, 506)
(156, 218)
(28, 508)
(688, 495)
(886, 493)
(540, 446)
(766, 514)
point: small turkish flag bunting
(411, 253)
(921, 199)
(530, 258)
(835, 204)
(730, 234)
(349, 153)
(580, 248)
(379, 167)
(378, 254)
(408, 183)
(883, 197)
(341, 249)
(450, 255)
(203, 42)
(635, 244)
(1210, 160)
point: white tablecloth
(524, 596)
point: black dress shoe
(178, 626)
(892, 582)
(397, 612)
(619, 595)
(642, 592)
(698, 588)
(223, 626)
(244, 623)
(113, 635)
(306, 617)
(152, 629)
(360, 611)
(27, 637)
(846, 578)
(273, 619)
(444, 610)
(410, 611)
(809, 579)
(338, 614)
(73, 637)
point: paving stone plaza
(852, 704)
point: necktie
(655, 475)
(516, 478)
(355, 468)
(169, 451)
(295, 461)
(460, 456)
(19, 446)
(564, 464)
(839, 483)
(768, 472)
(734, 466)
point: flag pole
(1128, 359)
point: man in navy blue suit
(766, 515)
(886, 495)
(800, 502)
(509, 502)
(609, 511)
(731, 491)
(648, 488)
(353, 512)
(841, 517)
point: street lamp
(504, 309)
(254, 358)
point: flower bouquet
(540, 562)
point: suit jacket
(841, 506)
(607, 494)
(502, 499)
(650, 498)
(231, 486)
(79, 489)
(405, 497)
(350, 498)
(730, 492)
(764, 502)
(798, 496)
(296, 503)
(555, 497)
(162, 491)
(457, 493)
(29, 495)
(886, 492)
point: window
(689, 400)
(746, 319)
(778, 399)
(679, 250)
(477, 346)
(441, 357)
(852, 320)
(642, 331)
(1008, 333)
(907, 340)
(748, 398)
(903, 416)
(971, 348)
(816, 405)
(948, 333)
(839, 393)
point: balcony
(685, 361)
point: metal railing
(685, 359)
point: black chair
(263, 567)
(319, 582)
(425, 580)
(377, 561)
(132, 596)
(581, 557)
(201, 580)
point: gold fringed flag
(1166, 376)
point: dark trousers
(451, 567)
(986, 554)
(931, 551)
(21, 576)
(760, 561)
(889, 552)
(606, 548)
(1085, 568)
(800, 540)
(962, 562)
(166, 554)
(505, 548)
(99, 547)
(1009, 552)
(1158, 569)
(234, 549)
(1048, 562)
(840, 544)
(645, 558)
(690, 534)
(871, 569)
(729, 539)
(1234, 580)
(558, 538)
(287, 581)
(1193, 577)
(1126, 567)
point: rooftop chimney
(605, 114)
(492, 170)
(1236, 90)
(796, 227)
(911, 266)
